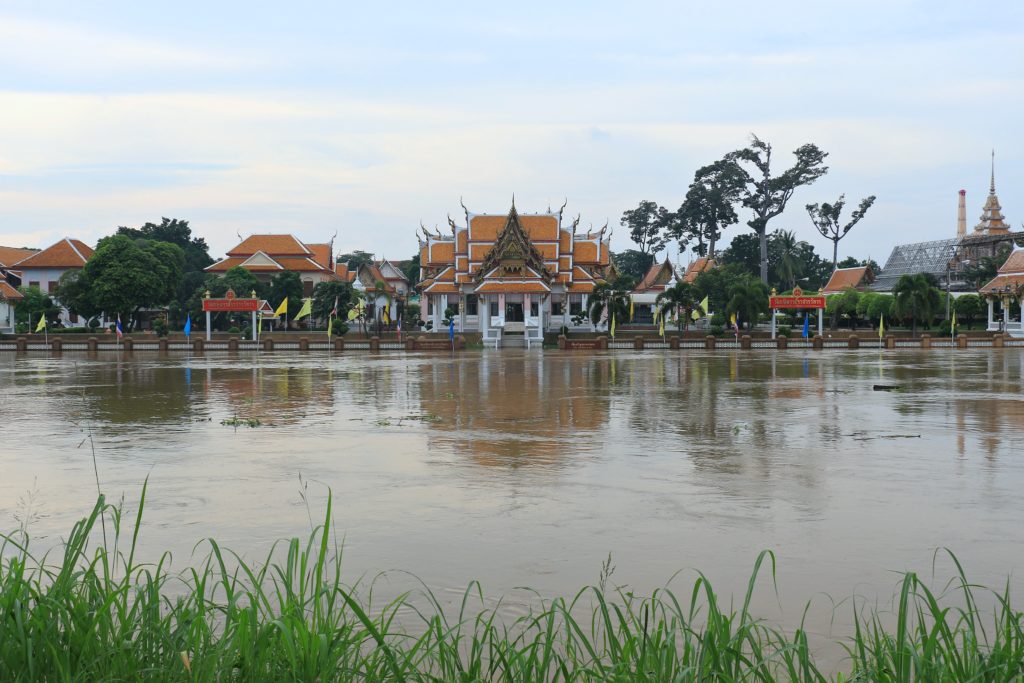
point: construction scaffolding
(938, 257)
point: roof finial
(992, 185)
(464, 209)
(513, 201)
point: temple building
(1006, 290)
(658, 278)
(266, 255)
(946, 259)
(857, 277)
(383, 284)
(511, 276)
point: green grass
(97, 613)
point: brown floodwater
(524, 468)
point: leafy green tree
(748, 299)
(826, 220)
(981, 272)
(647, 224)
(286, 284)
(844, 304)
(766, 195)
(852, 262)
(357, 258)
(716, 283)
(326, 294)
(74, 291)
(916, 298)
(743, 251)
(632, 263)
(195, 250)
(35, 303)
(879, 306)
(968, 307)
(788, 262)
(708, 207)
(681, 299)
(606, 301)
(411, 269)
(126, 275)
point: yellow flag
(630, 310)
(697, 313)
(330, 326)
(387, 314)
(953, 325)
(881, 326)
(661, 328)
(42, 324)
(283, 308)
(613, 326)
(307, 308)
(732, 320)
(354, 313)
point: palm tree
(606, 299)
(380, 289)
(789, 266)
(748, 299)
(915, 295)
(682, 298)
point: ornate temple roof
(992, 220)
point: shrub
(718, 320)
(563, 330)
(716, 330)
(160, 327)
(21, 328)
(339, 328)
(784, 331)
(233, 330)
(94, 323)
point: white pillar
(821, 322)
(252, 327)
(775, 312)
(207, 326)
(435, 301)
(1006, 315)
(991, 314)
(483, 314)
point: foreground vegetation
(99, 614)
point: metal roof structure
(936, 257)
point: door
(514, 312)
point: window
(494, 309)
(471, 304)
(575, 304)
(534, 308)
(51, 286)
(33, 284)
(307, 288)
(556, 307)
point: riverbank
(101, 613)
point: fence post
(638, 343)
(55, 345)
(602, 343)
(961, 341)
(460, 343)
(890, 341)
(268, 344)
(854, 341)
(673, 343)
(233, 344)
(926, 341)
(197, 345)
(818, 343)
(163, 344)
(745, 342)
(562, 342)
(709, 342)
(782, 342)
(128, 344)
(303, 344)
(339, 344)
(998, 341)
(93, 344)
(21, 344)
(374, 344)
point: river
(523, 468)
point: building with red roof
(43, 269)
(266, 255)
(858, 277)
(1007, 290)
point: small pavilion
(1007, 288)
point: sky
(364, 119)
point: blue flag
(807, 326)
(188, 325)
(451, 330)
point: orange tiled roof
(585, 252)
(11, 255)
(68, 253)
(701, 265)
(442, 288)
(650, 278)
(1014, 283)
(1014, 263)
(342, 271)
(534, 287)
(9, 293)
(441, 253)
(845, 278)
(578, 287)
(273, 245)
(321, 254)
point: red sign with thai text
(796, 302)
(231, 304)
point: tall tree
(748, 299)
(708, 207)
(356, 258)
(788, 263)
(328, 294)
(125, 274)
(632, 263)
(175, 231)
(605, 301)
(411, 269)
(826, 219)
(767, 195)
(914, 296)
(647, 224)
